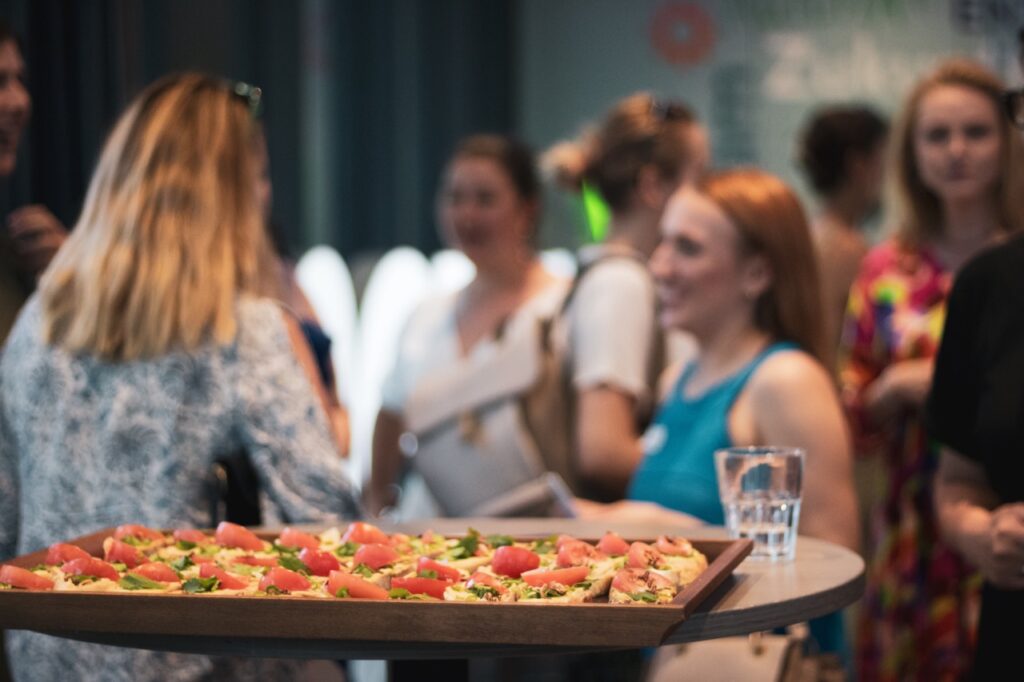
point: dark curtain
(405, 79)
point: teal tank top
(678, 468)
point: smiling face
(702, 276)
(481, 213)
(957, 143)
(14, 104)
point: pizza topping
(513, 561)
(232, 535)
(612, 544)
(20, 578)
(673, 546)
(376, 556)
(60, 553)
(296, 539)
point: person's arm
(607, 441)
(793, 403)
(989, 535)
(611, 327)
(386, 468)
(283, 424)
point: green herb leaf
(80, 579)
(274, 589)
(197, 585)
(427, 573)
(134, 541)
(483, 590)
(584, 584)
(545, 545)
(348, 549)
(342, 593)
(185, 545)
(293, 563)
(181, 563)
(648, 597)
(285, 550)
(399, 593)
(497, 541)
(470, 543)
(363, 570)
(136, 582)
(39, 567)
(119, 566)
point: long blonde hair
(170, 233)
(920, 209)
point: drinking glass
(760, 492)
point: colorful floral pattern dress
(919, 612)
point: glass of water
(760, 492)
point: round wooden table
(758, 595)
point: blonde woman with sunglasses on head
(150, 349)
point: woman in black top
(976, 410)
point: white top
(611, 323)
(430, 340)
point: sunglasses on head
(251, 95)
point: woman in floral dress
(957, 163)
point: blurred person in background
(842, 153)
(957, 174)
(31, 234)
(974, 411)
(488, 207)
(150, 348)
(635, 158)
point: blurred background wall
(364, 98)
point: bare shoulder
(789, 376)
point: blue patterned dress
(86, 444)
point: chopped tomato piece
(227, 580)
(357, 587)
(562, 539)
(375, 556)
(232, 535)
(674, 545)
(487, 580)
(429, 586)
(612, 543)
(191, 535)
(513, 561)
(23, 579)
(443, 571)
(577, 553)
(97, 568)
(291, 537)
(319, 563)
(564, 576)
(116, 551)
(642, 555)
(131, 530)
(284, 580)
(61, 553)
(154, 570)
(364, 534)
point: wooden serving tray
(143, 618)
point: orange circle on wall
(682, 32)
